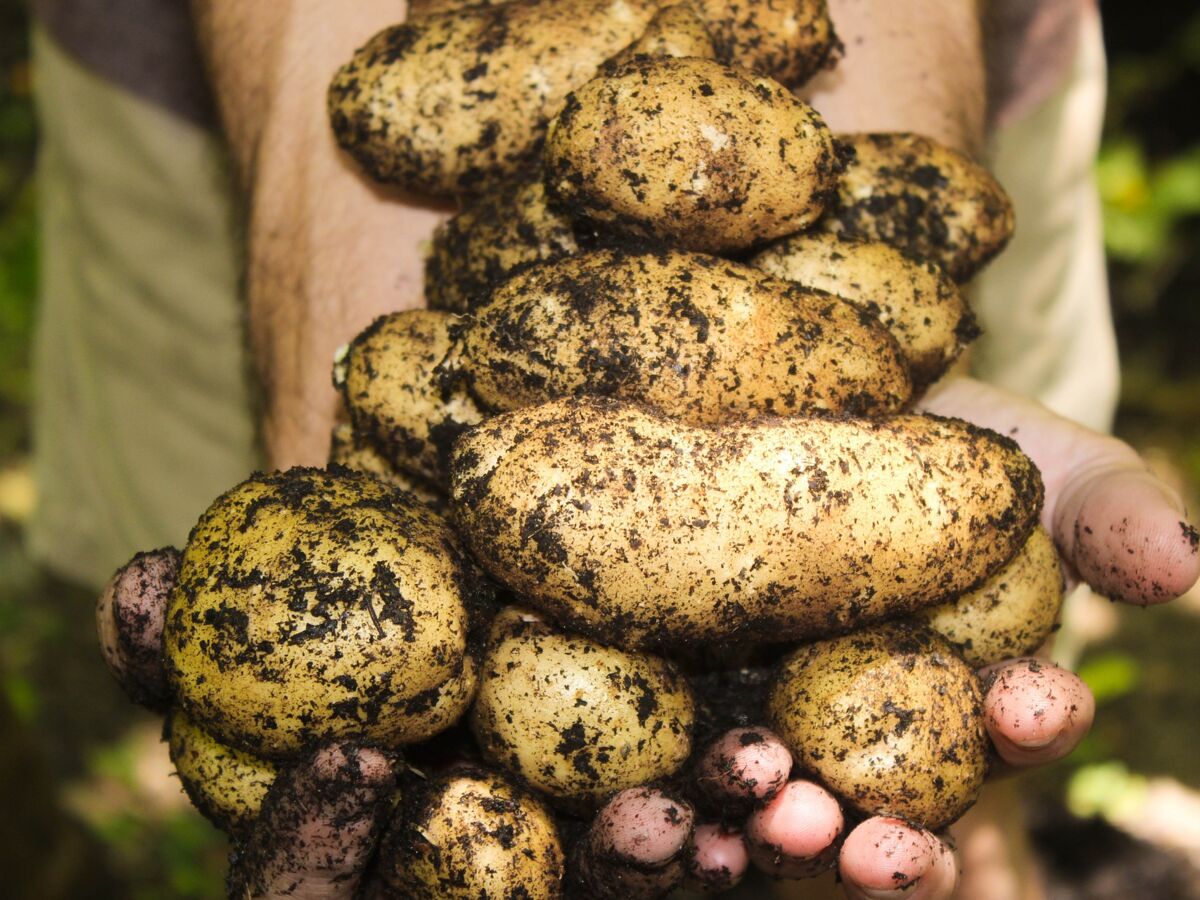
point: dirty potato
(1013, 613)
(921, 307)
(318, 604)
(577, 720)
(889, 719)
(472, 833)
(350, 449)
(788, 40)
(676, 31)
(926, 199)
(641, 531)
(692, 153)
(445, 104)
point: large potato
(575, 719)
(788, 40)
(698, 338)
(1013, 613)
(691, 152)
(920, 306)
(447, 103)
(887, 718)
(400, 397)
(641, 531)
(928, 200)
(314, 605)
(473, 834)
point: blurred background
(85, 779)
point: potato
(226, 785)
(676, 31)
(887, 718)
(699, 338)
(491, 238)
(645, 532)
(316, 604)
(692, 153)
(350, 449)
(928, 200)
(921, 307)
(788, 40)
(1011, 614)
(446, 104)
(400, 398)
(577, 720)
(471, 833)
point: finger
(129, 621)
(1035, 712)
(796, 834)
(886, 858)
(318, 828)
(636, 848)
(1119, 527)
(744, 765)
(718, 861)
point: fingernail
(1038, 743)
(886, 894)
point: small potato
(315, 605)
(928, 200)
(641, 531)
(889, 718)
(921, 307)
(473, 834)
(400, 398)
(676, 31)
(577, 720)
(447, 104)
(788, 40)
(489, 239)
(1011, 614)
(698, 338)
(226, 785)
(350, 449)
(692, 153)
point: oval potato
(921, 197)
(889, 719)
(692, 153)
(921, 307)
(621, 524)
(577, 720)
(788, 40)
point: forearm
(327, 252)
(914, 65)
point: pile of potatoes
(657, 422)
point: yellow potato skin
(577, 720)
(642, 532)
(788, 40)
(473, 833)
(699, 338)
(447, 103)
(692, 153)
(1012, 614)
(225, 784)
(399, 397)
(888, 718)
(350, 449)
(315, 605)
(676, 31)
(922, 308)
(924, 198)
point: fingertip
(744, 764)
(795, 833)
(1036, 712)
(883, 856)
(719, 858)
(645, 826)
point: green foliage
(1110, 675)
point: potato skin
(398, 395)
(447, 103)
(473, 833)
(675, 31)
(1012, 614)
(318, 604)
(788, 40)
(699, 338)
(692, 153)
(926, 199)
(643, 532)
(225, 784)
(920, 306)
(350, 449)
(888, 718)
(577, 720)
(489, 239)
